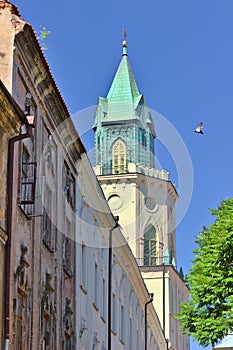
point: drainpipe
(116, 218)
(148, 302)
(10, 178)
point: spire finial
(124, 42)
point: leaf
(208, 315)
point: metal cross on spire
(124, 33)
(124, 43)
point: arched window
(150, 250)
(119, 157)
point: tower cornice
(139, 178)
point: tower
(142, 196)
(123, 123)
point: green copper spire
(123, 96)
(124, 130)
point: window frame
(150, 246)
(119, 157)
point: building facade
(11, 119)
(70, 279)
(142, 196)
(123, 300)
(39, 279)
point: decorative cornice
(24, 31)
(7, 5)
(156, 176)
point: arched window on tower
(119, 157)
(150, 249)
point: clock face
(150, 203)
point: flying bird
(199, 128)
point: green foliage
(208, 315)
(43, 35)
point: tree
(208, 315)
(181, 273)
(43, 34)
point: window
(122, 323)
(119, 157)
(152, 157)
(150, 246)
(84, 268)
(24, 192)
(49, 227)
(25, 160)
(68, 255)
(104, 300)
(69, 185)
(114, 315)
(96, 289)
(171, 299)
(28, 180)
(143, 137)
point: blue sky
(181, 53)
